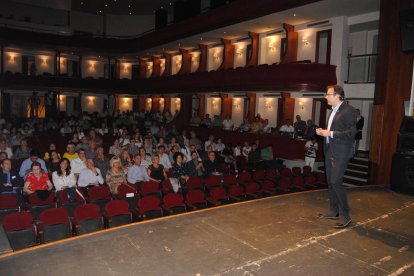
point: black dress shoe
(343, 225)
(329, 216)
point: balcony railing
(362, 68)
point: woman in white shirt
(64, 179)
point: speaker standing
(339, 137)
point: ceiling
(132, 7)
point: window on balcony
(362, 68)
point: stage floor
(272, 236)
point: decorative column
(228, 54)
(185, 62)
(117, 69)
(80, 66)
(142, 64)
(167, 103)
(226, 105)
(142, 104)
(291, 53)
(168, 64)
(2, 59)
(155, 104)
(202, 105)
(254, 58)
(252, 106)
(286, 108)
(203, 58)
(156, 67)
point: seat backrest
(149, 187)
(229, 179)
(18, 221)
(297, 180)
(252, 187)
(8, 201)
(123, 190)
(194, 183)
(296, 171)
(307, 170)
(99, 192)
(117, 207)
(271, 173)
(259, 174)
(149, 203)
(285, 182)
(310, 179)
(87, 211)
(286, 172)
(63, 197)
(213, 180)
(54, 216)
(36, 201)
(218, 193)
(236, 190)
(245, 176)
(171, 200)
(195, 196)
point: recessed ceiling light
(224, 32)
(294, 14)
(201, 38)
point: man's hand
(323, 132)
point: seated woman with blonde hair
(115, 175)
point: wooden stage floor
(273, 236)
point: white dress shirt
(87, 177)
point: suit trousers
(335, 167)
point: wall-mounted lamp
(149, 66)
(272, 45)
(12, 57)
(239, 51)
(268, 104)
(216, 56)
(92, 64)
(305, 42)
(126, 68)
(193, 58)
(301, 105)
(236, 103)
(91, 100)
(44, 61)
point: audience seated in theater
(256, 126)
(265, 127)
(75, 139)
(3, 155)
(78, 164)
(84, 144)
(300, 126)
(311, 147)
(310, 130)
(10, 180)
(156, 170)
(210, 142)
(115, 175)
(90, 176)
(212, 166)
(220, 146)
(101, 161)
(91, 151)
(195, 141)
(124, 140)
(4, 148)
(70, 152)
(182, 137)
(146, 160)
(244, 126)
(46, 156)
(23, 151)
(206, 121)
(228, 158)
(164, 158)
(94, 137)
(179, 169)
(115, 149)
(254, 157)
(66, 129)
(132, 148)
(15, 139)
(237, 151)
(228, 123)
(148, 146)
(216, 122)
(137, 172)
(103, 130)
(172, 144)
(287, 129)
(268, 160)
(246, 149)
(37, 180)
(125, 159)
(195, 120)
(53, 162)
(195, 167)
(27, 163)
(186, 150)
(64, 179)
(175, 149)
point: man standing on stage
(339, 139)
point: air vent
(314, 95)
(276, 32)
(326, 22)
(274, 95)
(239, 95)
(243, 39)
(216, 45)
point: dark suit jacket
(344, 129)
(15, 178)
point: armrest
(214, 202)
(191, 205)
(252, 195)
(234, 197)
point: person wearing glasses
(339, 137)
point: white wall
(215, 58)
(213, 106)
(269, 52)
(176, 63)
(92, 103)
(150, 68)
(240, 54)
(12, 61)
(237, 111)
(303, 108)
(45, 63)
(195, 61)
(307, 51)
(86, 22)
(125, 103)
(360, 90)
(92, 68)
(339, 47)
(126, 70)
(267, 108)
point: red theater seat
(99, 195)
(218, 196)
(195, 199)
(149, 207)
(117, 213)
(20, 230)
(236, 192)
(174, 203)
(87, 218)
(54, 225)
(195, 183)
